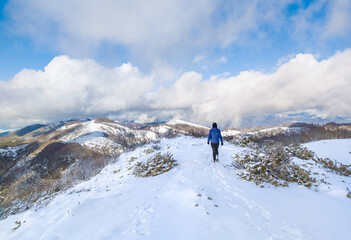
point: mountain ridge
(196, 199)
(52, 158)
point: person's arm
(209, 137)
(220, 136)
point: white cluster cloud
(302, 83)
(69, 88)
(73, 88)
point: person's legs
(217, 146)
(214, 150)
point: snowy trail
(198, 199)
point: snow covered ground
(196, 200)
(107, 128)
(336, 149)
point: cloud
(223, 59)
(300, 84)
(339, 19)
(144, 118)
(70, 88)
(149, 30)
(207, 63)
(322, 20)
(198, 59)
(78, 88)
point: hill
(194, 200)
(101, 179)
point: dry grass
(103, 120)
(10, 141)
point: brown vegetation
(57, 167)
(156, 165)
(271, 164)
(190, 130)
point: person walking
(214, 136)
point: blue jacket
(215, 135)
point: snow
(95, 136)
(108, 128)
(87, 128)
(280, 129)
(12, 151)
(178, 121)
(160, 129)
(196, 200)
(96, 140)
(335, 149)
(228, 133)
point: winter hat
(214, 125)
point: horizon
(223, 128)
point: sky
(234, 62)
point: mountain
(293, 132)
(44, 159)
(196, 199)
(311, 116)
(101, 179)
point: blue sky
(259, 48)
(167, 40)
(17, 52)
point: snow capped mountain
(181, 122)
(193, 199)
(96, 135)
(42, 160)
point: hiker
(215, 135)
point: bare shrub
(243, 141)
(298, 151)
(156, 147)
(190, 130)
(158, 164)
(129, 140)
(149, 151)
(171, 133)
(271, 164)
(198, 132)
(339, 168)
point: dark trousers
(214, 150)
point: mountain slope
(45, 159)
(195, 200)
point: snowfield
(107, 128)
(336, 149)
(195, 200)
